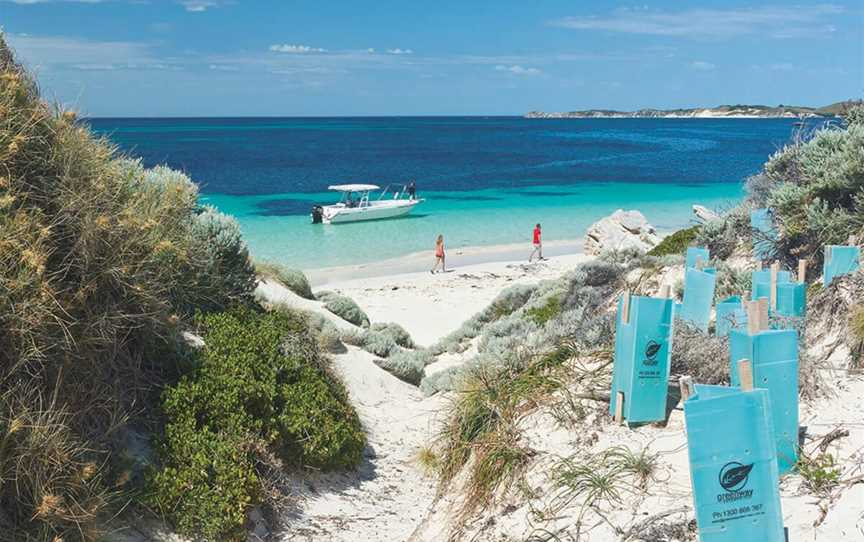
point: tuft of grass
(293, 279)
(676, 243)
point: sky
(466, 57)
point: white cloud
(398, 51)
(782, 67)
(775, 21)
(517, 69)
(197, 6)
(295, 49)
(370, 51)
(702, 65)
(223, 68)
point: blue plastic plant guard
(643, 352)
(840, 260)
(730, 315)
(733, 466)
(763, 233)
(694, 253)
(791, 296)
(774, 354)
(698, 297)
(791, 299)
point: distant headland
(723, 111)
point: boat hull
(372, 212)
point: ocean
(486, 180)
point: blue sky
(298, 57)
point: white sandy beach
(391, 499)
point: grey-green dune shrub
(293, 279)
(344, 307)
(259, 384)
(407, 365)
(379, 344)
(505, 303)
(393, 330)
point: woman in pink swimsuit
(439, 254)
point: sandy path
(388, 496)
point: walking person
(538, 245)
(439, 255)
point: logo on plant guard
(733, 478)
(651, 351)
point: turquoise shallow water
(486, 217)
(487, 180)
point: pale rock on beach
(621, 230)
(704, 214)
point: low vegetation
(676, 243)
(344, 307)
(293, 279)
(103, 263)
(813, 187)
(259, 385)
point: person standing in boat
(538, 245)
(439, 255)
(412, 190)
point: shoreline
(457, 258)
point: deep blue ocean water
(486, 180)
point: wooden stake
(625, 308)
(698, 263)
(775, 270)
(752, 317)
(802, 270)
(763, 313)
(828, 252)
(686, 386)
(665, 290)
(745, 374)
(619, 407)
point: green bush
(293, 279)
(676, 243)
(344, 307)
(258, 384)
(396, 332)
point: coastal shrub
(258, 385)
(396, 332)
(293, 279)
(102, 263)
(505, 303)
(441, 381)
(379, 344)
(344, 307)
(407, 365)
(676, 243)
(856, 332)
(731, 280)
(854, 114)
(549, 310)
(703, 356)
(729, 232)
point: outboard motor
(317, 214)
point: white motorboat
(356, 205)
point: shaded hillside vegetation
(103, 264)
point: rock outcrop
(620, 230)
(704, 214)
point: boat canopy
(353, 187)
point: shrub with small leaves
(293, 279)
(258, 384)
(344, 307)
(676, 243)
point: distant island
(723, 111)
